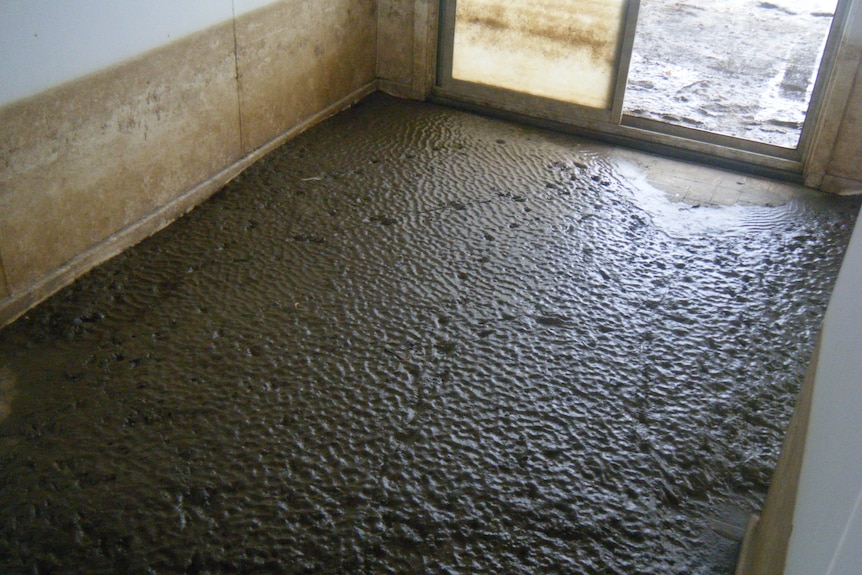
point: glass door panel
(563, 50)
(755, 70)
(741, 68)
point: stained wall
(92, 164)
(833, 159)
(407, 46)
(845, 166)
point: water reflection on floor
(415, 340)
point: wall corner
(407, 47)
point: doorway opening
(732, 80)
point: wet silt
(415, 340)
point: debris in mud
(309, 238)
(771, 6)
(384, 220)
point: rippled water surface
(415, 341)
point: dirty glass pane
(560, 49)
(742, 68)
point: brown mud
(416, 340)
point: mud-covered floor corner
(415, 340)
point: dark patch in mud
(585, 393)
(771, 6)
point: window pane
(742, 68)
(561, 49)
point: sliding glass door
(733, 78)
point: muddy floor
(743, 68)
(415, 340)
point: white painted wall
(44, 43)
(827, 522)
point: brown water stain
(554, 28)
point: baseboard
(398, 89)
(841, 186)
(17, 304)
(742, 564)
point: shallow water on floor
(415, 340)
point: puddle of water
(415, 340)
(682, 221)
